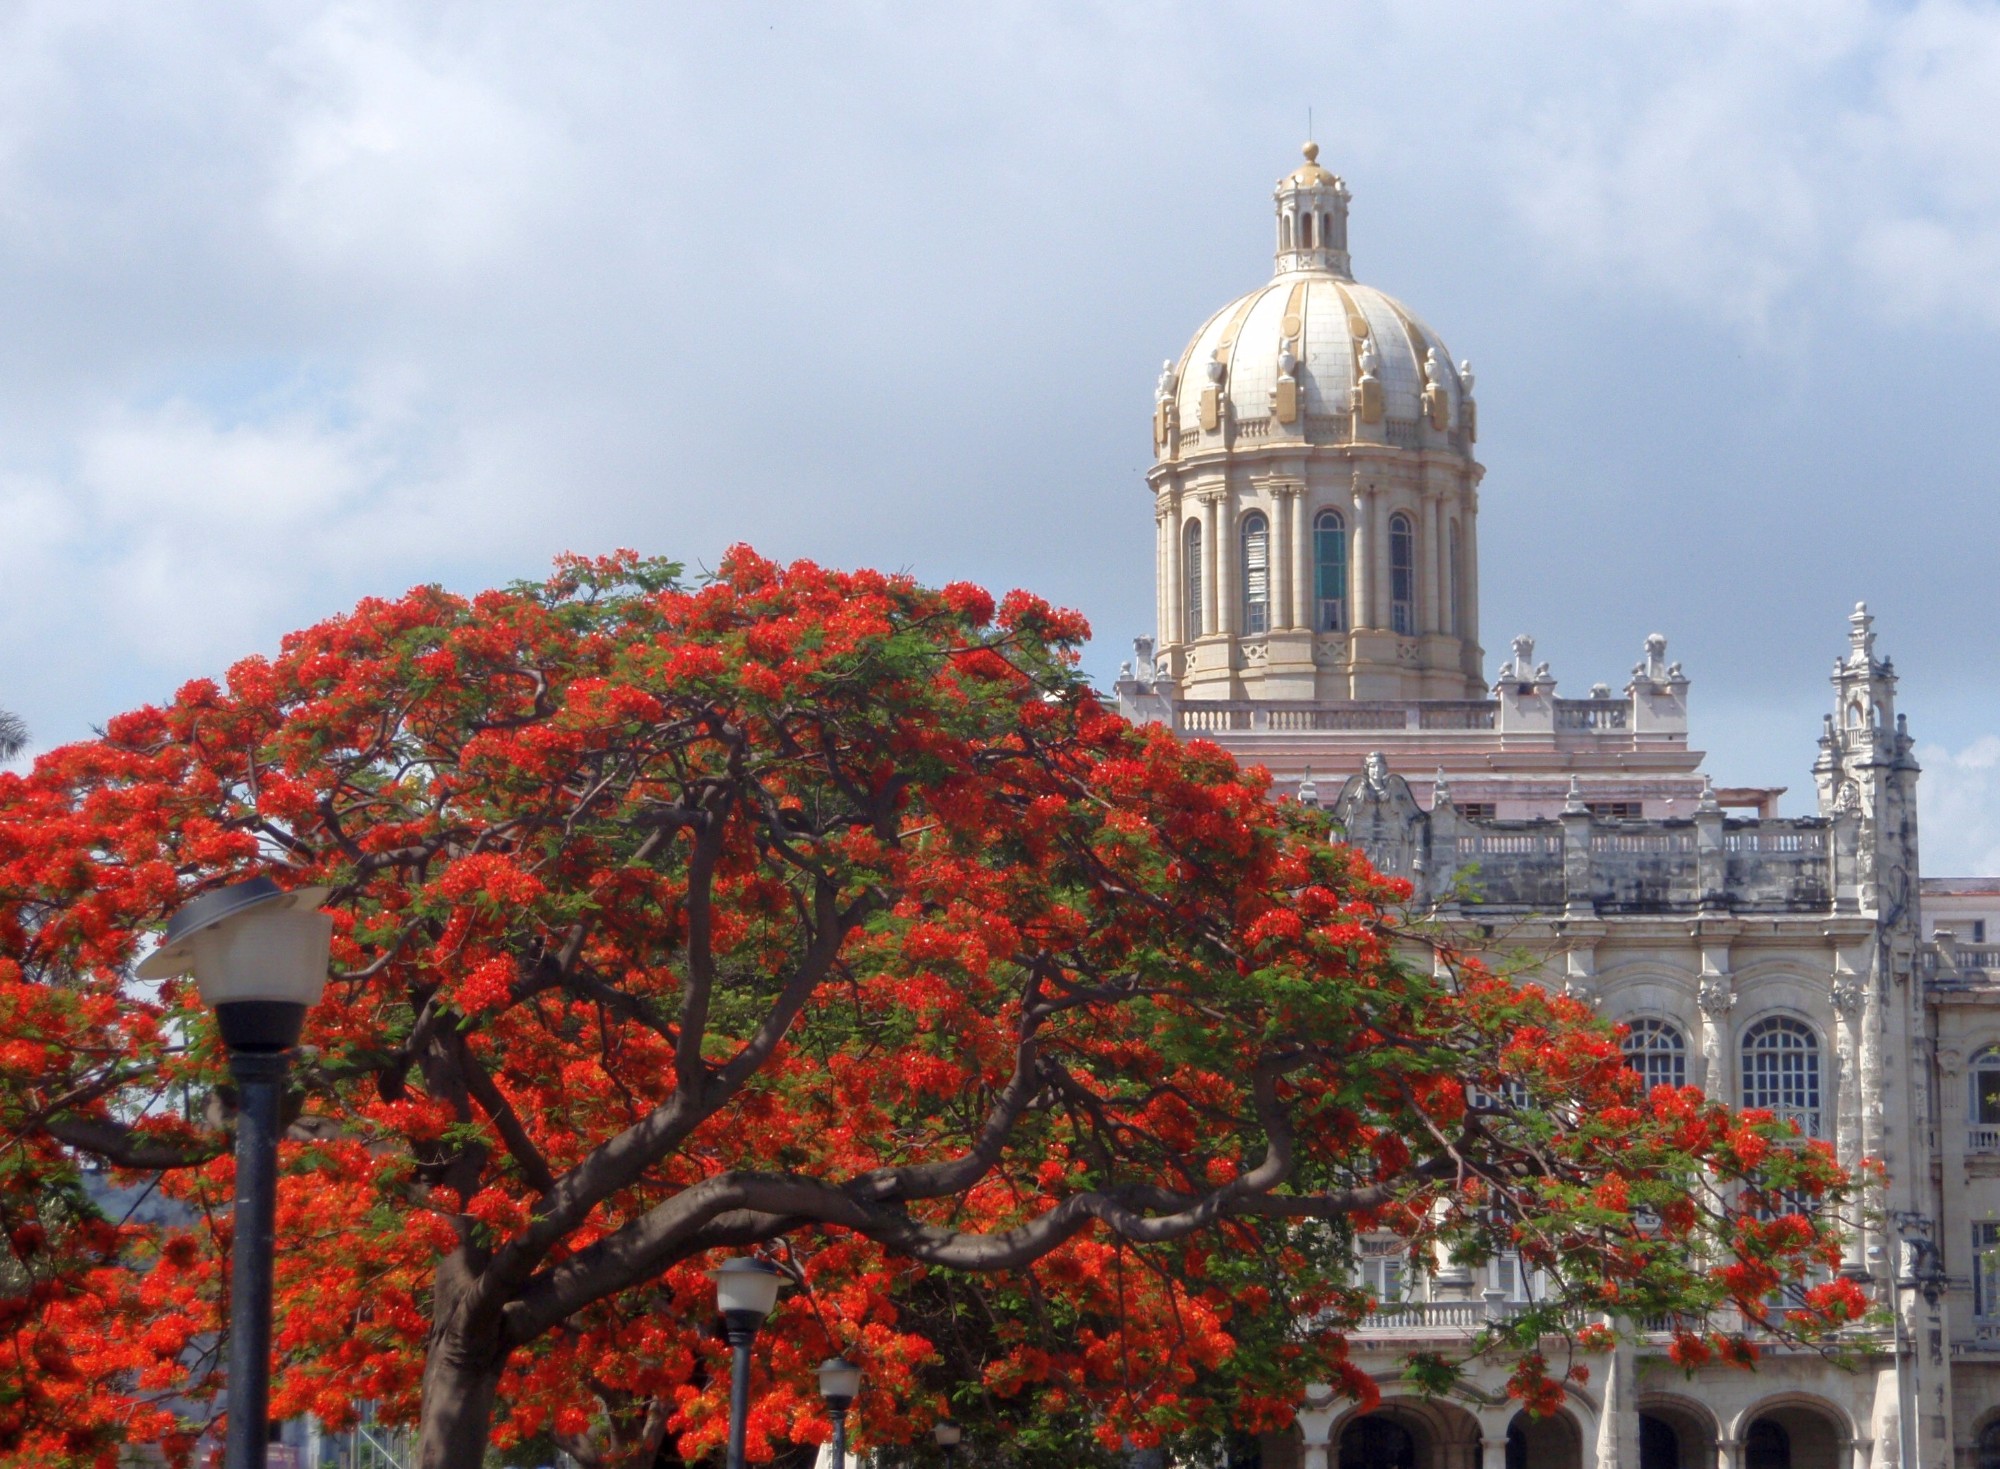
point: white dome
(1324, 322)
(1315, 345)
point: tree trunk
(460, 1385)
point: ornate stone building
(1316, 504)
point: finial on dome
(1311, 150)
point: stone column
(1228, 614)
(1278, 569)
(1163, 576)
(1359, 610)
(1469, 548)
(1430, 586)
(1441, 560)
(1493, 1451)
(1729, 1451)
(1316, 1428)
(1847, 996)
(1378, 558)
(1303, 562)
(1175, 629)
(1211, 555)
(1715, 997)
(1618, 1418)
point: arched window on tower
(1191, 578)
(1330, 572)
(1457, 589)
(1284, 232)
(1402, 575)
(1657, 1050)
(1781, 1071)
(1305, 232)
(1256, 573)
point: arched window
(1989, 1447)
(1191, 578)
(1402, 575)
(1457, 584)
(1985, 1107)
(1781, 1071)
(1284, 232)
(1330, 571)
(1658, 1052)
(1256, 573)
(1305, 232)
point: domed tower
(1315, 490)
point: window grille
(1192, 560)
(1781, 1071)
(1657, 1050)
(1256, 574)
(1986, 1270)
(1402, 575)
(1330, 571)
(1986, 1088)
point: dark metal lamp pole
(947, 1434)
(839, 1384)
(745, 1291)
(258, 955)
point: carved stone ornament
(1848, 996)
(1716, 997)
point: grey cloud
(306, 302)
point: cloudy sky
(303, 302)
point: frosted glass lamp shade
(947, 1433)
(746, 1285)
(258, 955)
(839, 1381)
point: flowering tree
(816, 914)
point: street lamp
(258, 955)
(947, 1434)
(839, 1382)
(745, 1291)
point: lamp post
(745, 1291)
(947, 1434)
(839, 1382)
(258, 955)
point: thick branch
(124, 1147)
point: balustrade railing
(1426, 1315)
(1982, 1138)
(1592, 714)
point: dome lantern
(1312, 220)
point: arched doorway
(1675, 1433)
(1659, 1445)
(1987, 1455)
(1554, 1442)
(1377, 1442)
(1795, 1434)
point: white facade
(1787, 963)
